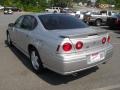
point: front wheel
(9, 42)
(36, 61)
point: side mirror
(11, 25)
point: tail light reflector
(108, 39)
(79, 45)
(58, 48)
(103, 40)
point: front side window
(61, 21)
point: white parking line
(109, 87)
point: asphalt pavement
(16, 72)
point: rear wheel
(98, 22)
(55, 11)
(36, 61)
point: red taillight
(103, 40)
(108, 39)
(67, 47)
(79, 45)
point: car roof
(38, 14)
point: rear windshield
(61, 21)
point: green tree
(62, 3)
(102, 1)
(117, 3)
(1, 2)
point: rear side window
(18, 21)
(61, 21)
(29, 22)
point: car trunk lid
(90, 38)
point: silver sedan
(59, 42)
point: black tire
(9, 42)
(36, 68)
(55, 11)
(98, 22)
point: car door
(28, 24)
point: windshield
(60, 21)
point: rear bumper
(82, 65)
(74, 63)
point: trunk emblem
(87, 46)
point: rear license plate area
(96, 57)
